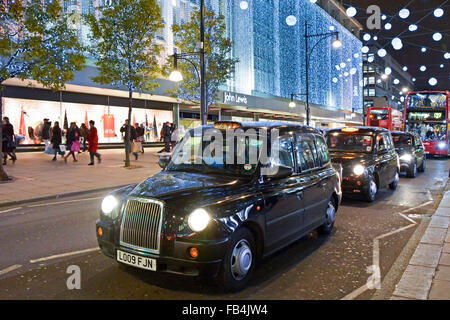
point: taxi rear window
(350, 142)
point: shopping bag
(75, 146)
(137, 147)
(62, 148)
(49, 150)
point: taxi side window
(382, 143)
(286, 153)
(322, 150)
(305, 153)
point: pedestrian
(129, 139)
(8, 141)
(140, 133)
(56, 140)
(167, 134)
(84, 131)
(93, 143)
(173, 130)
(46, 131)
(73, 143)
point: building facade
(268, 39)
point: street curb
(60, 196)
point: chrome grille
(141, 224)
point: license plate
(136, 261)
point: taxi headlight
(406, 157)
(198, 220)
(109, 203)
(358, 169)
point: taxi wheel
(239, 261)
(393, 185)
(327, 227)
(412, 172)
(423, 165)
(371, 191)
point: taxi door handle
(300, 195)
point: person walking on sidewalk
(129, 140)
(8, 140)
(84, 132)
(46, 130)
(140, 132)
(93, 143)
(73, 143)
(56, 140)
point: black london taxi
(411, 151)
(216, 216)
(368, 158)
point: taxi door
(284, 199)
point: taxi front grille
(141, 224)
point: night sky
(410, 55)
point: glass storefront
(27, 118)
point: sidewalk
(427, 276)
(36, 176)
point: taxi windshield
(402, 139)
(236, 156)
(347, 142)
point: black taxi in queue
(368, 159)
(203, 218)
(411, 152)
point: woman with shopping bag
(73, 141)
(57, 140)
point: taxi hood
(174, 187)
(404, 149)
(347, 158)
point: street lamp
(176, 76)
(336, 45)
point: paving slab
(445, 259)
(442, 273)
(443, 212)
(439, 222)
(446, 247)
(440, 290)
(415, 282)
(447, 238)
(426, 255)
(434, 236)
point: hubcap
(331, 213)
(241, 260)
(372, 188)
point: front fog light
(358, 169)
(406, 157)
(198, 220)
(108, 205)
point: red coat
(93, 140)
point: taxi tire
(369, 197)
(423, 165)
(225, 277)
(394, 184)
(412, 172)
(326, 229)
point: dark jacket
(167, 132)
(133, 134)
(8, 137)
(46, 131)
(56, 137)
(72, 136)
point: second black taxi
(204, 217)
(411, 151)
(368, 159)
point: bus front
(427, 114)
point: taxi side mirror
(281, 173)
(163, 162)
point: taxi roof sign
(350, 129)
(227, 125)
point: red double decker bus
(427, 113)
(385, 117)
